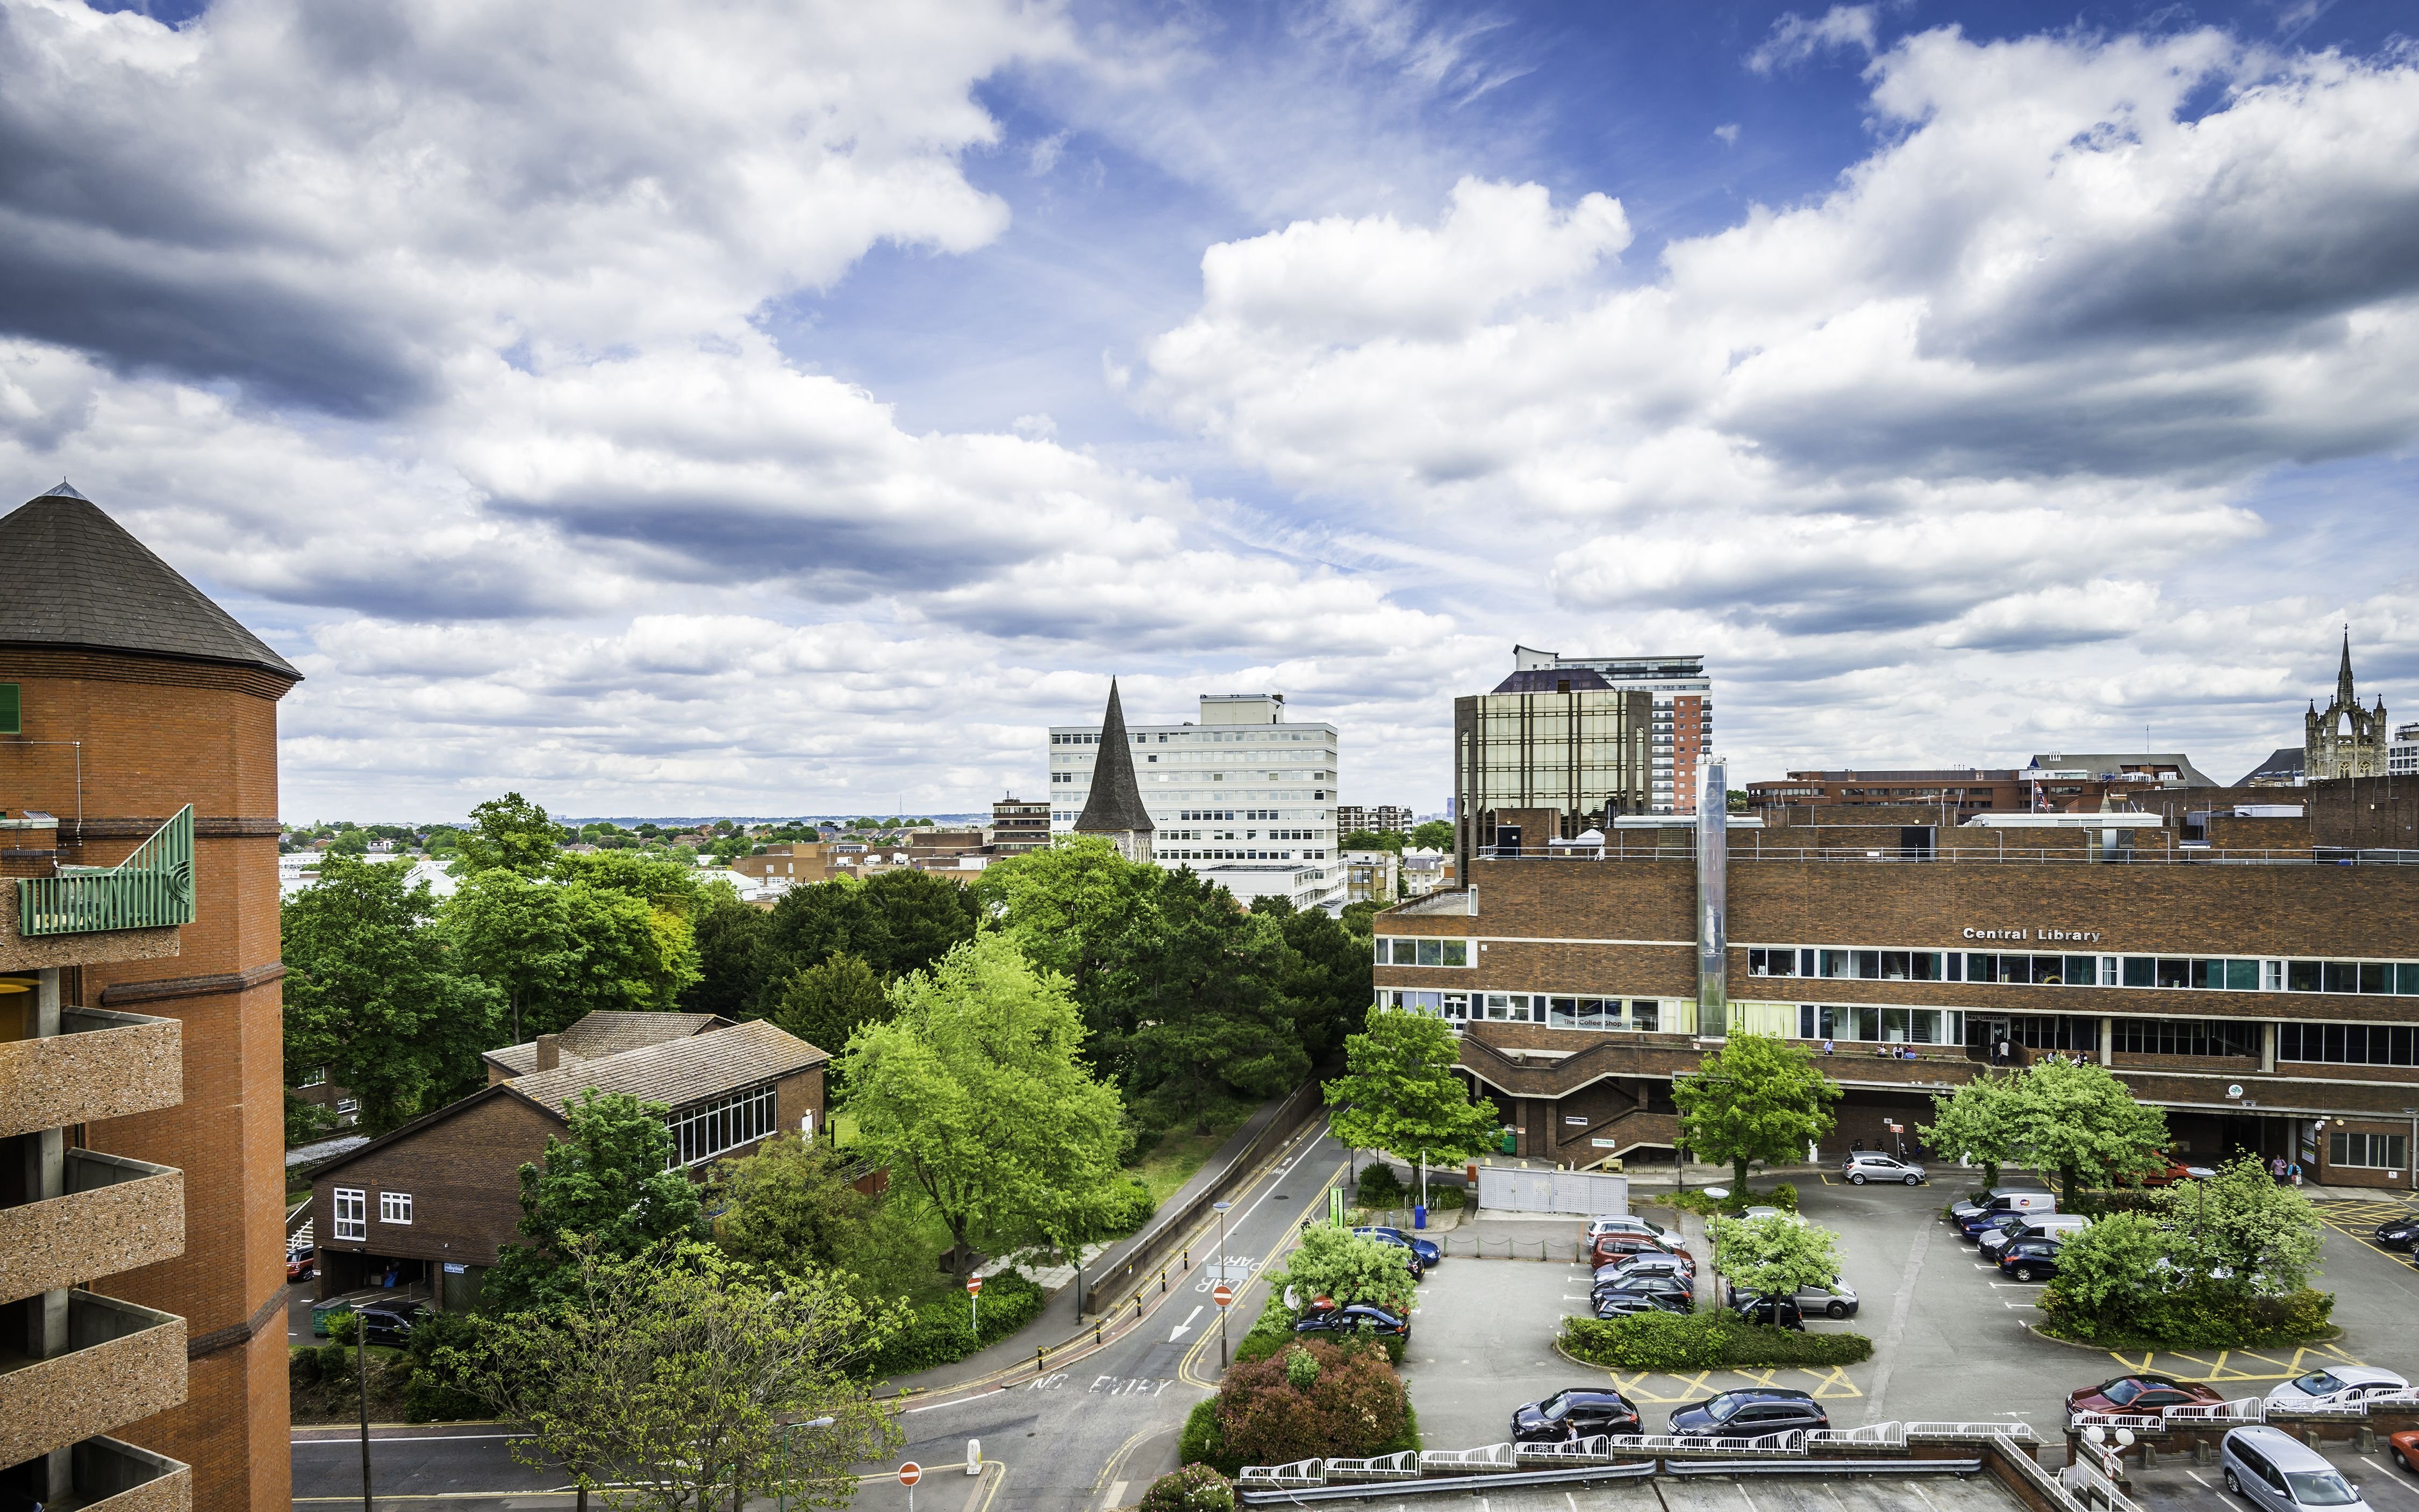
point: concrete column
(48, 1157)
(2107, 1042)
(2268, 1047)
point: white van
(2270, 1468)
(2058, 1226)
(2006, 1199)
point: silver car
(1873, 1166)
(2270, 1468)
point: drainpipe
(1713, 902)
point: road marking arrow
(1184, 1327)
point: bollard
(1188, 1258)
(1039, 1369)
(2368, 1440)
(2310, 1437)
(974, 1456)
(1163, 1280)
(2202, 1454)
(2150, 1456)
(1096, 1331)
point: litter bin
(1506, 1142)
(322, 1311)
(1420, 1215)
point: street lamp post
(1222, 1207)
(781, 1493)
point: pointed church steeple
(2343, 674)
(1114, 807)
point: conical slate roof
(79, 580)
(1114, 805)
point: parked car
(1673, 1290)
(2005, 1199)
(2349, 1381)
(2137, 1393)
(2176, 1170)
(1838, 1300)
(301, 1264)
(2030, 1259)
(1752, 1213)
(1360, 1318)
(2404, 1447)
(1616, 1302)
(1749, 1412)
(2398, 1233)
(1579, 1412)
(1609, 1248)
(1983, 1223)
(1423, 1251)
(1622, 1223)
(1873, 1166)
(2057, 1226)
(1679, 1265)
(385, 1322)
(1772, 1312)
(2272, 1468)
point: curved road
(1088, 1435)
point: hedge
(1703, 1341)
(1273, 1329)
(1202, 1443)
(937, 1335)
(2208, 1316)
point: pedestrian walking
(2276, 1169)
(2295, 1170)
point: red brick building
(2267, 996)
(136, 698)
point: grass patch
(1180, 1152)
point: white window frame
(394, 1203)
(351, 1218)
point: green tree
(604, 1192)
(925, 914)
(2263, 1236)
(1074, 908)
(1774, 1256)
(1375, 840)
(789, 1204)
(826, 1005)
(352, 843)
(510, 833)
(2077, 1119)
(669, 1381)
(1208, 1016)
(1759, 1098)
(1401, 1093)
(2105, 1271)
(560, 949)
(374, 996)
(1435, 834)
(974, 1096)
(735, 956)
(1346, 1267)
(1331, 981)
(1980, 1121)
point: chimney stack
(550, 1051)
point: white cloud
(1794, 38)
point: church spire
(2343, 674)
(1114, 807)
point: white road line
(1117, 1494)
(2204, 1484)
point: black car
(1608, 1305)
(2398, 1233)
(1750, 1413)
(1773, 1312)
(1672, 1289)
(391, 1322)
(1581, 1413)
(2030, 1259)
(1636, 1265)
(1357, 1319)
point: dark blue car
(1357, 1319)
(1425, 1248)
(1981, 1223)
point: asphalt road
(1090, 1434)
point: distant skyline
(794, 406)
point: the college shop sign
(2045, 936)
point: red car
(2144, 1396)
(301, 1265)
(2177, 1171)
(1611, 1247)
(2404, 1447)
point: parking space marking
(2235, 1365)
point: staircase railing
(149, 889)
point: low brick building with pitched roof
(428, 1207)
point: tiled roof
(605, 1032)
(678, 1071)
(1115, 805)
(80, 579)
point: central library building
(2266, 995)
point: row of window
(2349, 1044)
(1395, 950)
(352, 1211)
(2372, 978)
(1643, 1015)
(1215, 738)
(2384, 1151)
(1214, 854)
(705, 1130)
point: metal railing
(1972, 1433)
(1463, 1461)
(2087, 1487)
(1988, 855)
(149, 889)
(2241, 1410)
(1404, 1465)
(1300, 1472)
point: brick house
(792, 865)
(428, 1207)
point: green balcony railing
(150, 888)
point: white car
(2057, 1226)
(1622, 1224)
(1873, 1166)
(2342, 1383)
(1773, 1212)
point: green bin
(1508, 1142)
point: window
(395, 1206)
(2381, 1150)
(352, 1212)
(2187, 1037)
(2349, 1044)
(1399, 951)
(704, 1130)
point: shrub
(1128, 1207)
(1200, 1443)
(1354, 1405)
(1338, 1263)
(937, 1333)
(432, 1395)
(1783, 1196)
(1671, 1343)
(1379, 1187)
(301, 1367)
(1195, 1487)
(2212, 1316)
(1301, 1368)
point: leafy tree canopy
(1375, 840)
(1435, 834)
(1759, 1098)
(1981, 1121)
(1346, 1267)
(2077, 1119)
(787, 1206)
(1775, 1255)
(560, 949)
(1401, 1093)
(2240, 1225)
(603, 1191)
(512, 834)
(374, 996)
(974, 1096)
(734, 953)
(826, 1005)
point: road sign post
(1222, 1207)
(974, 1304)
(909, 1473)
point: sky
(797, 408)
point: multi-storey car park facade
(2265, 996)
(142, 1320)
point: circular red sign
(1222, 1294)
(910, 1472)
(974, 1284)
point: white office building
(1240, 796)
(2402, 752)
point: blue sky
(775, 409)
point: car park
(1360, 1318)
(2057, 1226)
(1749, 1412)
(2270, 1468)
(1423, 1251)
(2342, 1382)
(2030, 1259)
(1873, 1166)
(1676, 1294)
(2398, 1233)
(2006, 1199)
(1772, 1312)
(1836, 1300)
(1579, 1412)
(2148, 1394)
